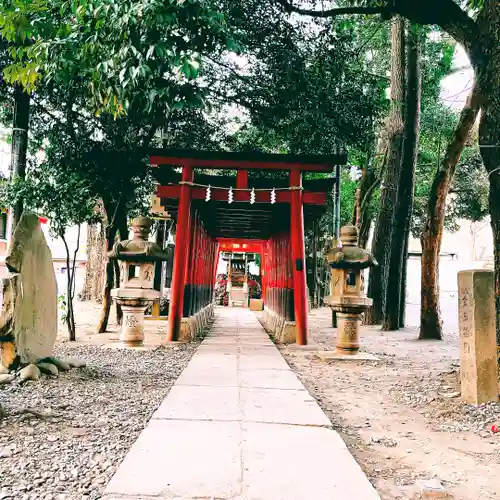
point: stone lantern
(137, 259)
(347, 288)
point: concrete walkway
(239, 425)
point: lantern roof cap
(349, 256)
(139, 248)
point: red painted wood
(180, 256)
(242, 164)
(263, 272)
(216, 265)
(298, 257)
(242, 179)
(193, 261)
(309, 197)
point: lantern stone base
(282, 330)
(348, 311)
(133, 304)
(132, 332)
(348, 332)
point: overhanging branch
(337, 11)
(446, 14)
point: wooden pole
(298, 257)
(180, 256)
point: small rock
(4, 494)
(452, 394)
(62, 365)
(6, 379)
(48, 368)
(75, 362)
(433, 490)
(30, 372)
(6, 452)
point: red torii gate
(261, 228)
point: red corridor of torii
(267, 216)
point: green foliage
(111, 78)
(62, 304)
(115, 49)
(347, 203)
(54, 192)
(306, 85)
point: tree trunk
(381, 246)
(404, 205)
(70, 318)
(314, 265)
(430, 313)
(404, 280)
(488, 70)
(123, 232)
(102, 326)
(489, 136)
(495, 226)
(95, 270)
(368, 184)
(20, 127)
(115, 214)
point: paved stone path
(239, 425)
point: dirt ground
(402, 417)
(86, 318)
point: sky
(457, 87)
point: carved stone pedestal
(133, 320)
(348, 332)
(132, 331)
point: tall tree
(395, 300)
(20, 126)
(430, 313)
(110, 76)
(381, 246)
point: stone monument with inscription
(347, 288)
(477, 326)
(28, 323)
(137, 260)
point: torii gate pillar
(181, 253)
(298, 257)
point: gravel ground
(88, 419)
(438, 400)
(402, 416)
